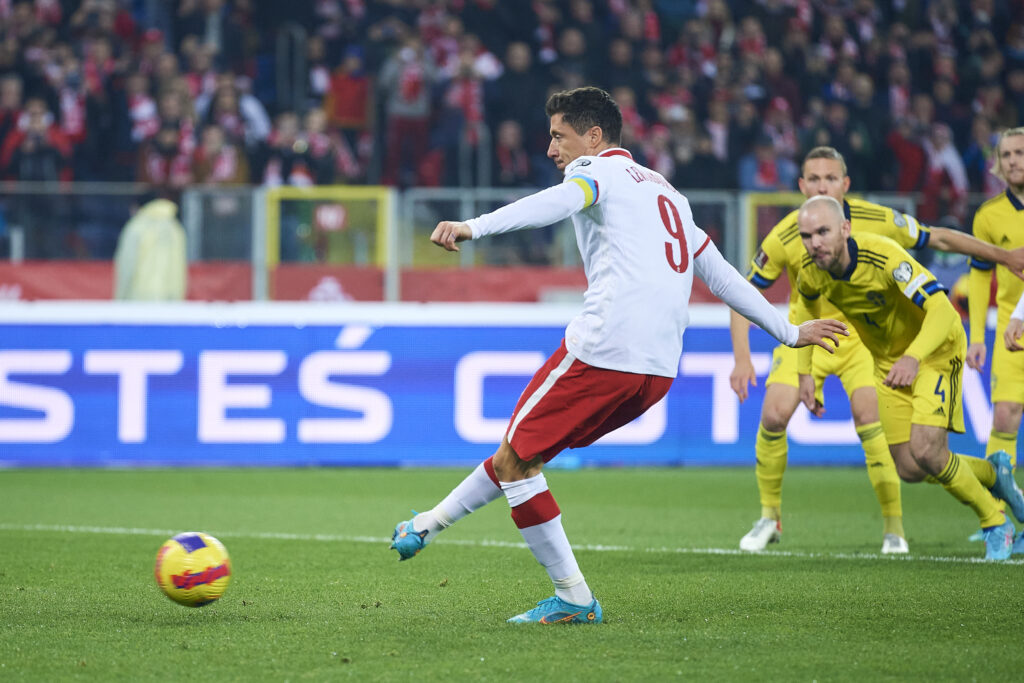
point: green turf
(78, 600)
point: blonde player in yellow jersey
(824, 174)
(1000, 221)
(904, 318)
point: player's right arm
(806, 306)
(767, 265)
(578, 191)
(1015, 327)
(979, 291)
(743, 375)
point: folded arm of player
(939, 317)
(727, 284)
(1015, 328)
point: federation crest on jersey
(902, 272)
(761, 259)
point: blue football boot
(554, 610)
(1018, 545)
(999, 541)
(1006, 487)
(407, 541)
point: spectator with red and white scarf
(217, 161)
(406, 81)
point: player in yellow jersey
(1000, 221)
(904, 318)
(824, 174)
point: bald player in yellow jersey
(904, 318)
(824, 174)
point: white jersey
(640, 250)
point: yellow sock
(961, 483)
(982, 469)
(881, 469)
(771, 450)
(893, 525)
(1003, 441)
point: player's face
(1011, 160)
(566, 144)
(824, 234)
(824, 177)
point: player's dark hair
(824, 152)
(584, 108)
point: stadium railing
(325, 243)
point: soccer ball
(193, 569)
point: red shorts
(569, 404)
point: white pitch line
(336, 538)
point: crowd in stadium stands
(715, 93)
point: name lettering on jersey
(902, 272)
(902, 219)
(642, 174)
(912, 287)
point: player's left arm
(939, 317)
(727, 284)
(946, 239)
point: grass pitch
(316, 595)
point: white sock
(550, 546)
(547, 540)
(471, 494)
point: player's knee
(508, 466)
(775, 415)
(910, 474)
(1006, 416)
(864, 406)
(774, 421)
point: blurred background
(312, 145)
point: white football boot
(765, 531)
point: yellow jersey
(782, 251)
(883, 294)
(999, 221)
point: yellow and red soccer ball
(193, 569)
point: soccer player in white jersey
(640, 250)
